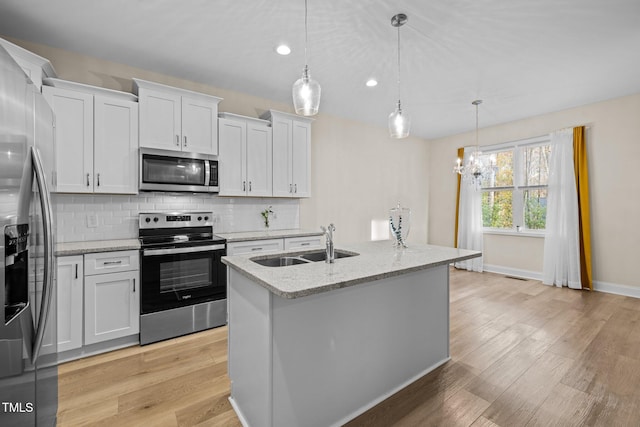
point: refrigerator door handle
(47, 220)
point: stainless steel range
(184, 283)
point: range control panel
(175, 219)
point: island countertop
(375, 261)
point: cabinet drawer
(111, 262)
(302, 242)
(255, 247)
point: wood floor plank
(564, 407)
(493, 381)
(518, 403)
(485, 355)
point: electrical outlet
(92, 220)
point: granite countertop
(376, 260)
(267, 234)
(80, 248)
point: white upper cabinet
(115, 145)
(96, 135)
(291, 154)
(177, 119)
(34, 66)
(245, 158)
(74, 139)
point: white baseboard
(515, 272)
(614, 288)
(610, 288)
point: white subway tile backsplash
(117, 215)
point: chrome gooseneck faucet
(328, 234)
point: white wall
(613, 147)
(359, 173)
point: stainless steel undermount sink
(322, 255)
(281, 261)
(302, 258)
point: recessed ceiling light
(372, 83)
(283, 49)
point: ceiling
(521, 57)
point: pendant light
(472, 172)
(306, 91)
(399, 122)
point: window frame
(518, 188)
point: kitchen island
(316, 344)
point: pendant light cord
(477, 145)
(306, 36)
(398, 63)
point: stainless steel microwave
(165, 170)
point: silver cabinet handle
(76, 271)
(185, 140)
(87, 180)
(290, 188)
(295, 188)
(188, 250)
(98, 180)
(305, 244)
(134, 285)
(244, 185)
(256, 249)
(249, 185)
(178, 140)
(112, 262)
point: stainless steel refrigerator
(28, 365)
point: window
(514, 191)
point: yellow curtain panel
(455, 237)
(582, 184)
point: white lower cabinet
(112, 297)
(274, 245)
(70, 301)
(255, 246)
(305, 242)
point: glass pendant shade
(399, 123)
(306, 95)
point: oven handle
(171, 251)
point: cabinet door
(301, 159)
(259, 160)
(115, 146)
(70, 301)
(282, 134)
(199, 126)
(74, 139)
(255, 246)
(160, 119)
(232, 159)
(112, 306)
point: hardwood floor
(522, 354)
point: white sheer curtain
(470, 220)
(561, 262)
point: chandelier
(473, 170)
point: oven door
(180, 276)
